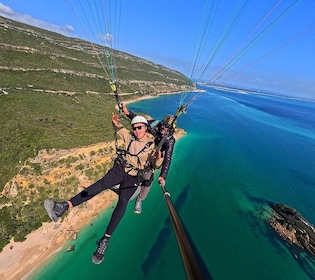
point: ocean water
(242, 152)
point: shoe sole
(137, 211)
(96, 261)
(49, 205)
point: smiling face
(139, 130)
(164, 128)
(167, 123)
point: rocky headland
(293, 228)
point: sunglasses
(137, 127)
(165, 124)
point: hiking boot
(98, 255)
(55, 209)
(138, 207)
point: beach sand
(20, 259)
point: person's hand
(158, 155)
(115, 120)
(124, 108)
(161, 181)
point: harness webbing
(121, 153)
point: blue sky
(267, 45)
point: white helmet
(139, 119)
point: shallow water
(241, 153)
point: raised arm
(128, 113)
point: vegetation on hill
(50, 61)
(54, 95)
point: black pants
(116, 175)
(148, 183)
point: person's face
(139, 129)
(164, 128)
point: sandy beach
(20, 259)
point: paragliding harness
(143, 174)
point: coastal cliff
(69, 171)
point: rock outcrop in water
(293, 228)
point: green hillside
(54, 94)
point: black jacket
(167, 147)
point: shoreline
(148, 97)
(19, 260)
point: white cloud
(7, 12)
(5, 9)
(106, 39)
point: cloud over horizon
(7, 12)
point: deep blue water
(242, 152)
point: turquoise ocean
(242, 152)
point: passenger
(126, 171)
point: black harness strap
(121, 154)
